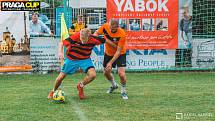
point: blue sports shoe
(124, 95)
(111, 89)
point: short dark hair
(114, 21)
(35, 13)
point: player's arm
(63, 43)
(66, 42)
(116, 55)
(99, 31)
(120, 46)
(111, 43)
(96, 33)
(60, 50)
(100, 40)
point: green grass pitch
(152, 97)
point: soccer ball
(59, 96)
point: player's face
(84, 39)
(113, 28)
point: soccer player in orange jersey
(114, 56)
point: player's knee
(61, 77)
(106, 73)
(92, 75)
(121, 74)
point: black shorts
(120, 61)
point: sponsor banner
(203, 53)
(44, 54)
(68, 18)
(14, 41)
(139, 59)
(20, 5)
(23, 68)
(149, 24)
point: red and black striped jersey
(78, 51)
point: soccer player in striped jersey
(79, 47)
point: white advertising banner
(139, 59)
(44, 56)
(203, 53)
(44, 53)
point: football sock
(113, 83)
(61, 86)
(81, 84)
(123, 90)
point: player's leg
(89, 69)
(69, 67)
(110, 78)
(121, 64)
(91, 75)
(109, 75)
(122, 76)
(58, 82)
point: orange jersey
(118, 38)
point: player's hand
(108, 67)
(61, 56)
